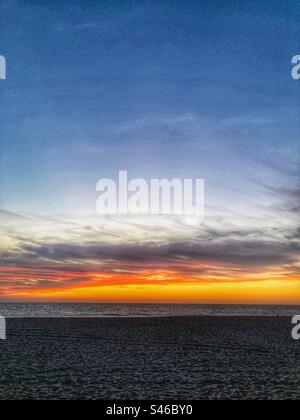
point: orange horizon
(152, 286)
(263, 292)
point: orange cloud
(165, 286)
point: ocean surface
(40, 310)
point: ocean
(65, 310)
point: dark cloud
(239, 252)
(63, 265)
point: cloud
(8, 215)
(217, 256)
(60, 253)
(233, 251)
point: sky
(174, 89)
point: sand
(179, 358)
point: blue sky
(155, 87)
(158, 88)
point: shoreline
(150, 316)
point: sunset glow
(150, 92)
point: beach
(176, 358)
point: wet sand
(179, 358)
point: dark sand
(166, 358)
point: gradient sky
(161, 89)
